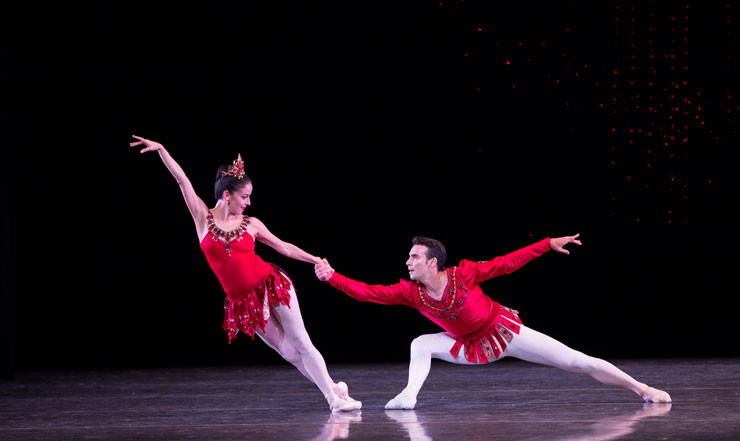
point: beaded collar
(226, 237)
(448, 307)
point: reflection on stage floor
(508, 400)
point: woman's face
(239, 200)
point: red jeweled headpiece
(237, 169)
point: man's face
(418, 265)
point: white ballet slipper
(401, 402)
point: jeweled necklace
(226, 237)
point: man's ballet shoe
(654, 395)
(401, 402)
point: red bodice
(232, 258)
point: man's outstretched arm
(384, 294)
(511, 262)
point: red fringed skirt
(253, 309)
(489, 345)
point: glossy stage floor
(508, 400)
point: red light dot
(480, 29)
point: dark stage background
(487, 125)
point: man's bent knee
(418, 347)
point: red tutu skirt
(253, 309)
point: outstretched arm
(508, 263)
(398, 294)
(197, 207)
(286, 249)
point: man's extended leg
(537, 347)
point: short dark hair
(228, 182)
(434, 249)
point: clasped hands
(323, 270)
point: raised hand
(558, 243)
(150, 146)
(323, 270)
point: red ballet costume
(253, 287)
(480, 325)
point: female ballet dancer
(260, 297)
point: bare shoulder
(256, 222)
(257, 226)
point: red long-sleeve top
(464, 310)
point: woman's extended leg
(423, 349)
(537, 347)
(274, 337)
(291, 337)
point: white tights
(286, 333)
(529, 345)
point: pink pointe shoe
(343, 402)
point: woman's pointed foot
(339, 404)
(653, 395)
(342, 390)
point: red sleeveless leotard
(252, 286)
